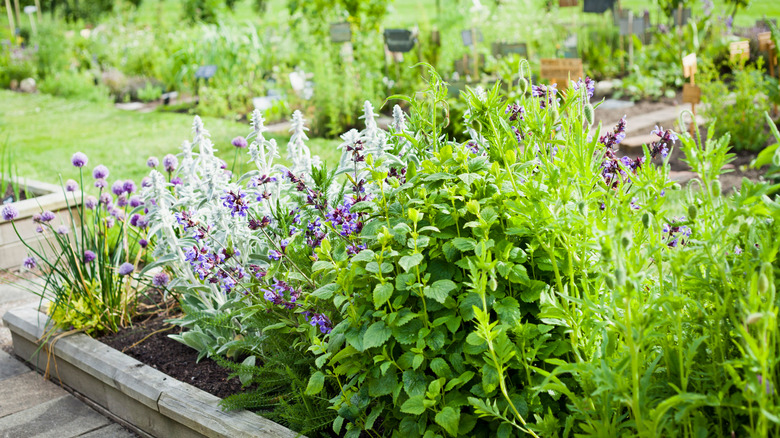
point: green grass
(44, 131)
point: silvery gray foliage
(205, 183)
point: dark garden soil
(147, 341)
(10, 196)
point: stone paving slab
(26, 391)
(110, 431)
(10, 367)
(59, 418)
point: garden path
(31, 406)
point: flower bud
(620, 276)
(716, 188)
(582, 207)
(625, 241)
(646, 220)
(523, 84)
(610, 281)
(692, 212)
(555, 114)
(588, 114)
(763, 283)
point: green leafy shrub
(80, 85)
(737, 107)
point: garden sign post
(766, 44)
(691, 91)
(739, 51)
(470, 38)
(560, 70)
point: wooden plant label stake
(740, 50)
(340, 32)
(691, 92)
(560, 70)
(766, 44)
(567, 3)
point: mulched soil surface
(147, 341)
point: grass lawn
(44, 131)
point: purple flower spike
(152, 162)
(89, 256)
(118, 188)
(79, 159)
(170, 162)
(30, 263)
(161, 279)
(71, 185)
(239, 142)
(126, 268)
(135, 201)
(143, 243)
(9, 212)
(100, 171)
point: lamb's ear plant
(84, 261)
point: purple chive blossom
(79, 159)
(135, 201)
(106, 199)
(100, 172)
(62, 230)
(170, 162)
(36, 217)
(118, 188)
(47, 216)
(39, 229)
(239, 142)
(101, 183)
(9, 212)
(89, 256)
(161, 279)
(109, 222)
(71, 185)
(152, 162)
(121, 201)
(126, 268)
(143, 243)
(29, 263)
(91, 202)
(129, 186)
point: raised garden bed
(39, 196)
(142, 396)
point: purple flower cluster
(152, 162)
(399, 174)
(71, 185)
(160, 279)
(313, 197)
(515, 111)
(239, 142)
(9, 212)
(235, 202)
(282, 294)
(676, 234)
(79, 159)
(346, 222)
(213, 267)
(614, 169)
(186, 220)
(664, 144)
(100, 172)
(126, 268)
(546, 92)
(170, 162)
(89, 256)
(588, 83)
(612, 139)
(29, 263)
